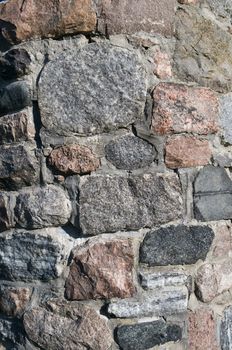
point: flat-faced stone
(18, 166)
(226, 329)
(154, 280)
(213, 279)
(73, 159)
(17, 127)
(39, 207)
(212, 186)
(202, 330)
(128, 203)
(226, 117)
(14, 63)
(186, 151)
(67, 326)
(165, 301)
(176, 245)
(101, 270)
(7, 204)
(33, 255)
(129, 152)
(133, 16)
(23, 21)
(163, 67)
(105, 97)
(222, 244)
(181, 108)
(14, 300)
(143, 336)
(209, 63)
(14, 97)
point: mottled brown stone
(163, 68)
(131, 16)
(180, 108)
(222, 244)
(186, 151)
(101, 270)
(202, 330)
(73, 159)
(22, 20)
(13, 300)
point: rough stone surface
(67, 326)
(202, 330)
(33, 255)
(42, 207)
(101, 270)
(129, 152)
(23, 21)
(186, 151)
(14, 97)
(226, 117)
(153, 280)
(226, 329)
(18, 166)
(105, 97)
(14, 64)
(14, 300)
(129, 17)
(11, 333)
(222, 8)
(176, 245)
(222, 244)
(73, 159)
(181, 108)
(163, 67)
(7, 204)
(128, 202)
(146, 335)
(165, 301)
(213, 186)
(209, 63)
(213, 279)
(17, 127)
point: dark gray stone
(42, 207)
(226, 329)
(18, 166)
(12, 334)
(14, 97)
(93, 89)
(7, 204)
(112, 203)
(213, 194)
(129, 153)
(14, 63)
(176, 245)
(143, 336)
(33, 255)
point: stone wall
(115, 175)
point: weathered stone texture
(128, 202)
(163, 67)
(73, 159)
(186, 151)
(213, 279)
(14, 63)
(14, 300)
(23, 21)
(210, 62)
(133, 16)
(213, 186)
(18, 166)
(67, 326)
(226, 117)
(175, 245)
(154, 280)
(226, 329)
(146, 335)
(129, 152)
(181, 108)
(14, 97)
(222, 244)
(106, 96)
(7, 204)
(17, 127)
(165, 301)
(101, 270)
(202, 330)
(33, 255)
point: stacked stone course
(115, 175)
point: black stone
(130, 152)
(14, 64)
(176, 245)
(14, 97)
(143, 336)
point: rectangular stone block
(113, 203)
(154, 280)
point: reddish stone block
(163, 68)
(222, 244)
(101, 270)
(186, 151)
(180, 108)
